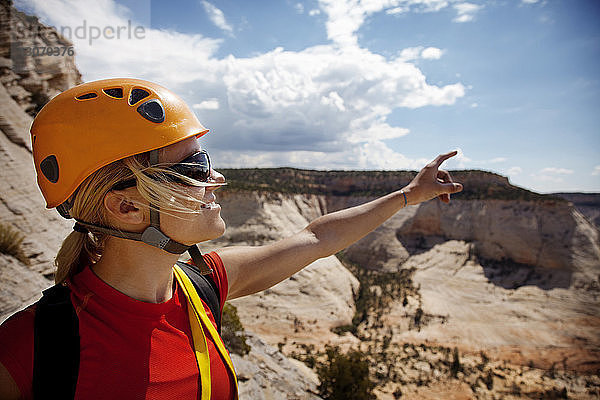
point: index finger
(443, 157)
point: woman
(122, 157)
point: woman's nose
(216, 176)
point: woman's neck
(137, 270)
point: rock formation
(587, 203)
(495, 294)
(27, 83)
(514, 276)
(29, 72)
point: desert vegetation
(11, 240)
(403, 369)
(232, 331)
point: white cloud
(512, 171)
(530, 1)
(432, 53)
(217, 17)
(398, 10)
(376, 155)
(314, 11)
(466, 11)
(377, 132)
(410, 53)
(415, 53)
(210, 104)
(333, 98)
(367, 156)
(299, 7)
(460, 160)
(166, 57)
(596, 170)
(419, 6)
(324, 94)
(552, 170)
(326, 104)
(547, 178)
(552, 174)
(345, 17)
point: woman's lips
(210, 206)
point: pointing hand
(433, 182)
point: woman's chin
(216, 231)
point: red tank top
(129, 349)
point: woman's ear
(122, 208)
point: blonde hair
(81, 249)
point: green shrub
(10, 243)
(340, 330)
(345, 376)
(392, 285)
(232, 331)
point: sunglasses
(197, 167)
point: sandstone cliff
(514, 275)
(27, 83)
(506, 276)
(309, 304)
(587, 203)
(30, 78)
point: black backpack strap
(55, 345)
(207, 290)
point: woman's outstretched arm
(252, 269)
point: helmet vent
(152, 110)
(137, 95)
(49, 167)
(87, 96)
(117, 93)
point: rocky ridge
(31, 79)
(587, 203)
(514, 279)
(27, 83)
(501, 272)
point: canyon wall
(500, 270)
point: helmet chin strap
(153, 236)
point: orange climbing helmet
(93, 124)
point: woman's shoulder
(16, 347)
(16, 339)
(218, 275)
(18, 324)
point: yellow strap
(202, 356)
(198, 320)
(200, 346)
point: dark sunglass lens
(196, 166)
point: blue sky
(378, 84)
